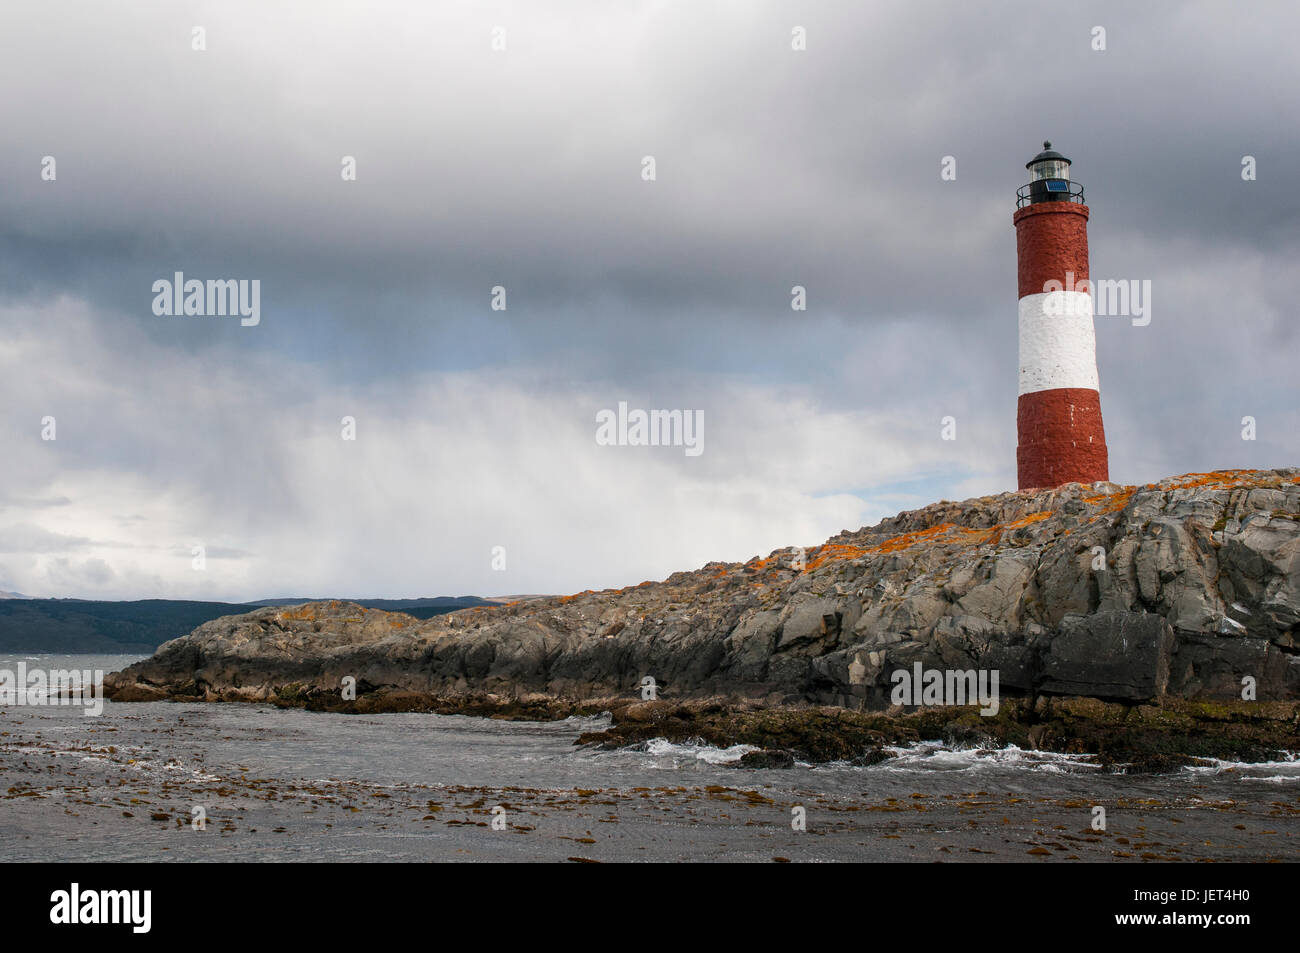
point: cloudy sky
(522, 168)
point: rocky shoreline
(1170, 734)
(1167, 734)
(308, 786)
(1104, 610)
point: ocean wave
(1271, 772)
(668, 754)
(934, 756)
(582, 722)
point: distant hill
(86, 626)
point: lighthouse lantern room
(1049, 180)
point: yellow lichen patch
(297, 614)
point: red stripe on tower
(1058, 417)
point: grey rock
(1113, 655)
(1200, 589)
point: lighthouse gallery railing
(1036, 192)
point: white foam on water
(583, 722)
(1271, 772)
(661, 748)
(934, 756)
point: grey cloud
(775, 168)
(28, 538)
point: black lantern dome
(1049, 180)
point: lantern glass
(1050, 169)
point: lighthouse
(1058, 414)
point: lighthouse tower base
(1061, 438)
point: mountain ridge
(139, 626)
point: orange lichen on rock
(896, 543)
(976, 537)
(835, 551)
(1118, 501)
(1026, 520)
(1222, 479)
(302, 613)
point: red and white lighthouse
(1058, 416)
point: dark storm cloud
(774, 168)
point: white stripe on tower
(1058, 346)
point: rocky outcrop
(1121, 737)
(1184, 588)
